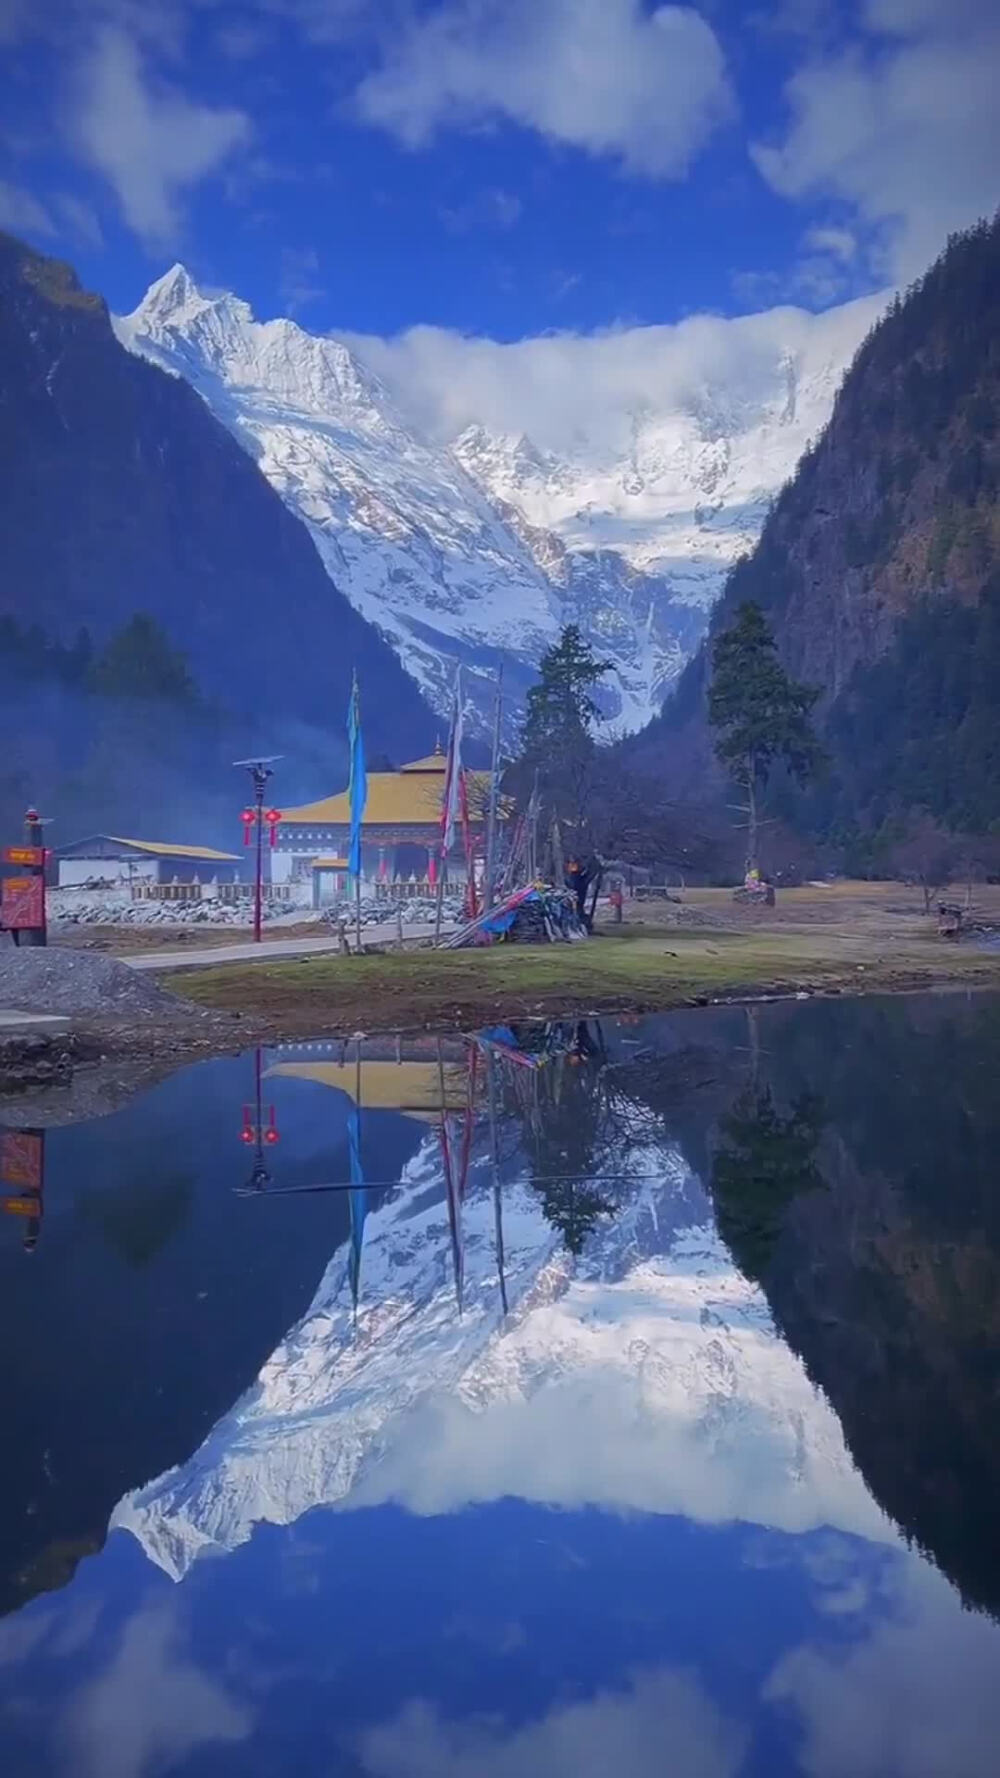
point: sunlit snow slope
(479, 548)
(645, 1376)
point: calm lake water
(609, 1400)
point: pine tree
(765, 1160)
(761, 714)
(558, 736)
(139, 663)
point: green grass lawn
(630, 969)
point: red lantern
(272, 818)
(248, 818)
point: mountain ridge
(477, 549)
(124, 494)
(879, 572)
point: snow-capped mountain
(645, 1375)
(479, 548)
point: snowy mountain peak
(175, 300)
(180, 325)
(478, 548)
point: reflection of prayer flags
(358, 784)
(454, 1210)
(358, 1200)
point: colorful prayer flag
(358, 785)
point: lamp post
(260, 772)
(258, 1132)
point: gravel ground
(84, 985)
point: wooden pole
(439, 911)
(34, 835)
(558, 863)
(491, 820)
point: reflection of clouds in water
(636, 1396)
(149, 1708)
(60, 1629)
(665, 1723)
(917, 1698)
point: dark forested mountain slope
(120, 493)
(879, 570)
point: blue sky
(498, 167)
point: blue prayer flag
(358, 786)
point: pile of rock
(84, 985)
(107, 910)
(413, 910)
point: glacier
(477, 548)
(645, 1375)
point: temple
(400, 832)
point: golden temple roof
(165, 849)
(413, 1088)
(410, 797)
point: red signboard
(21, 1159)
(24, 855)
(22, 903)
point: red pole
(259, 872)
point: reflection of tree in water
(575, 1124)
(766, 1161)
(138, 1217)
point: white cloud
(568, 390)
(149, 1708)
(663, 1722)
(21, 213)
(602, 75)
(906, 130)
(299, 281)
(151, 143)
(916, 1698)
(80, 218)
(493, 208)
(840, 243)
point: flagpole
(439, 910)
(450, 798)
(358, 796)
(491, 819)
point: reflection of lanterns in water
(260, 1128)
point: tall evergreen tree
(139, 663)
(761, 715)
(561, 714)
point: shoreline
(135, 1058)
(819, 941)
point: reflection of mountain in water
(886, 1275)
(643, 1374)
(148, 1305)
